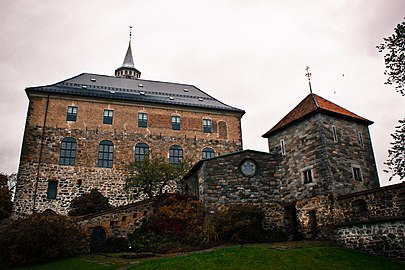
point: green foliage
(394, 46)
(240, 222)
(396, 155)
(5, 197)
(92, 202)
(176, 226)
(116, 244)
(150, 176)
(38, 238)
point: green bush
(116, 244)
(38, 238)
(88, 203)
(240, 223)
(176, 226)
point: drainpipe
(40, 154)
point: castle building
(325, 149)
(83, 132)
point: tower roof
(128, 60)
(310, 105)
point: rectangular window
(51, 192)
(307, 175)
(282, 146)
(142, 120)
(108, 117)
(357, 174)
(71, 114)
(207, 125)
(361, 139)
(176, 122)
(335, 138)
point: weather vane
(308, 75)
(130, 33)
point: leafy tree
(149, 177)
(396, 155)
(5, 197)
(394, 48)
(88, 203)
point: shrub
(38, 238)
(176, 226)
(88, 203)
(240, 222)
(116, 244)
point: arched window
(67, 152)
(208, 153)
(141, 151)
(175, 154)
(105, 154)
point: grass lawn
(249, 257)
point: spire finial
(130, 33)
(308, 75)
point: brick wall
(88, 130)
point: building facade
(84, 132)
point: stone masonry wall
(382, 238)
(309, 145)
(88, 130)
(219, 183)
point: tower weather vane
(308, 75)
(130, 33)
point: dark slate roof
(310, 105)
(137, 90)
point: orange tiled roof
(314, 104)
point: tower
(127, 69)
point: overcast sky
(248, 54)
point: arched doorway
(97, 239)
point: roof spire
(127, 69)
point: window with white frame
(335, 137)
(175, 122)
(307, 176)
(361, 139)
(282, 146)
(207, 125)
(357, 173)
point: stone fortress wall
(88, 130)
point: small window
(52, 189)
(141, 151)
(71, 114)
(307, 176)
(361, 139)
(175, 122)
(282, 146)
(108, 117)
(357, 174)
(207, 125)
(142, 120)
(335, 138)
(67, 152)
(175, 154)
(208, 153)
(105, 154)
